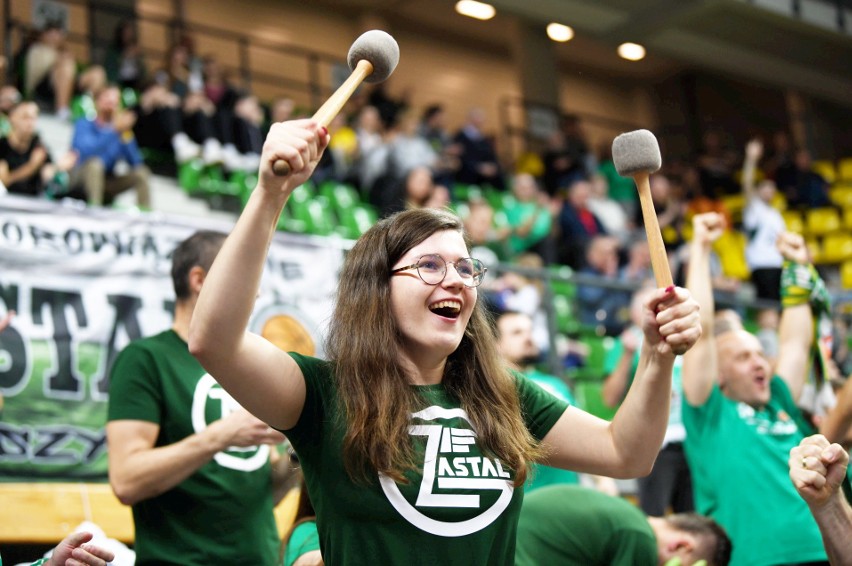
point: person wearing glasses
(414, 437)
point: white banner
(84, 283)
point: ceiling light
(559, 32)
(474, 9)
(631, 51)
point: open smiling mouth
(447, 309)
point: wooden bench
(46, 512)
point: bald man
(742, 421)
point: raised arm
(753, 151)
(796, 330)
(262, 378)
(700, 364)
(628, 446)
(615, 383)
(817, 470)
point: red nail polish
(323, 131)
(669, 289)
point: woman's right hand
(298, 142)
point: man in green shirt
(575, 526)
(742, 421)
(515, 343)
(197, 469)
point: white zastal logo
(446, 467)
(207, 390)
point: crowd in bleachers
(564, 203)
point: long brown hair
(375, 394)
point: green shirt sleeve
(134, 387)
(304, 539)
(541, 409)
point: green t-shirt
(221, 514)
(517, 215)
(675, 431)
(572, 525)
(459, 509)
(548, 475)
(621, 189)
(740, 473)
(304, 539)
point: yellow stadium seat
(779, 202)
(847, 218)
(730, 247)
(826, 169)
(841, 195)
(815, 249)
(794, 221)
(821, 221)
(837, 247)
(846, 274)
(844, 170)
(735, 204)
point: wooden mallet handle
(659, 259)
(332, 106)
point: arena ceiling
(726, 36)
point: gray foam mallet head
(635, 152)
(380, 49)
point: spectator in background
(566, 157)
(779, 156)
(516, 345)
(408, 149)
(716, 165)
(159, 124)
(281, 109)
(602, 306)
(670, 209)
(124, 63)
(100, 145)
(638, 268)
(741, 416)
(669, 485)
(530, 219)
(615, 221)
(248, 135)
(9, 97)
(488, 243)
(433, 129)
(50, 70)
(803, 187)
(25, 164)
(578, 224)
(164, 459)
(75, 549)
(763, 224)
(300, 546)
(621, 189)
(477, 155)
(575, 526)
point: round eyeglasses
(432, 269)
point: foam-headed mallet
(637, 154)
(372, 58)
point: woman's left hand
(670, 321)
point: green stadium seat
(590, 399)
(341, 196)
(357, 219)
